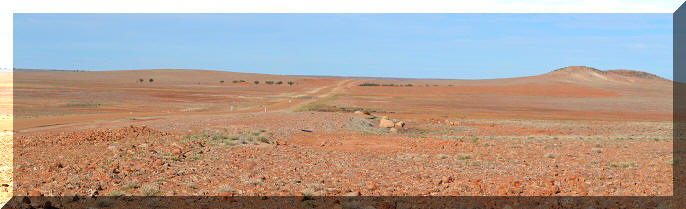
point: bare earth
(572, 132)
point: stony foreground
(462, 158)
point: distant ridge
(579, 72)
(590, 71)
(634, 73)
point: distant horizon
(409, 46)
(314, 75)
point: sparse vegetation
(221, 138)
(369, 84)
(225, 188)
(319, 107)
(291, 83)
(630, 164)
(385, 84)
(443, 156)
(117, 193)
(550, 155)
(364, 126)
(464, 156)
(150, 190)
(82, 105)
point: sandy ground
(565, 133)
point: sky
(454, 46)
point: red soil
(562, 133)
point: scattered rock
(371, 186)
(447, 179)
(35, 193)
(352, 194)
(393, 130)
(400, 124)
(359, 112)
(385, 123)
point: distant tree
(291, 83)
(222, 81)
(409, 84)
(141, 80)
(269, 82)
(151, 80)
(256, 82)
(279, 82)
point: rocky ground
(354, 156)
(104, 134)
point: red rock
(35, 193)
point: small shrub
(151, 80)
(309, 193)
(222, 82)
(141, 80)
(364, 126)
(291, 83)
(150, 190)
(369, 84)
(263, 139)
(279, 82)
(225, 188)
(409, 85)
(317, 107)
(235, 81)
(630, 164)
(256, 82)
(269, 82)
(117, 193)
(597, 150)
(550, 155)
(464, 156)
(254, 182)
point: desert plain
(575, 131)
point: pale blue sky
(462, 46)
